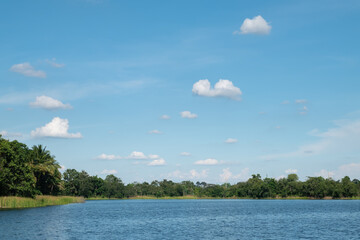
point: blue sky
(92, 81)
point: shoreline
(11, 202)
(190, 197)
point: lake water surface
(186, 219)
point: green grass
(39, 201)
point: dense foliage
(27, 172)
(30, 172)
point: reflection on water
(186, 219)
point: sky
(185, 90)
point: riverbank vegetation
(31, 172)
(38, 201)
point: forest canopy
(28, 172)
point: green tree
(16, 175)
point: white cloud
(301, 101)
(49, 103)
(341, 139)
(325, 174)
(185, 154)
(223, 88)
(133, 155)
(157, 162)
(155, 131)
(351, 170)
(108, 157)
(107, 172)
(192, 174)
(27, 70)
(137, 155)
(57, 128)
(53, 63)
(280, 177)
(188, 114)
(227, 175)
(166, 117)
(286, 102)
(257, 25)
(10, 135)
(290, 171)
(196, 175)
(231, 140)
(209, 161)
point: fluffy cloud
(223, 88)
(157, 162)
(227, 175)
(53, 63)
(257, 25)
(49, 103)
(166, 117)
(290, 171)
(137, 155)
(209, 161)
(231, 140)
(107, 172)
(155, 131)
(188, 114)
(27, 70)
(185, 154)
(57, 128)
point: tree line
(34, 171)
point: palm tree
(46, 170)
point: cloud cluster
(135, 155)
(256, 25)
(209, 161)
(49, 103)
(157, 162)
(227, 175)
(27, 70)
(223, 88)
(57, 128)
(188, 114)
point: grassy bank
(39, 201)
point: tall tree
(46, 170)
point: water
(186, 219)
